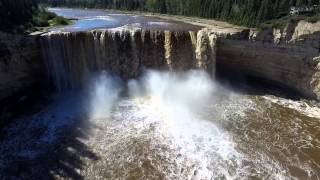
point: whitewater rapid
(163, 125)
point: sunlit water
(100, 19)
(166, 126)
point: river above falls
(86, 20)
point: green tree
(243, 12)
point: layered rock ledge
(288, 56)
(20, 64)
(72, 56)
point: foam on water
(170, 126)
(159, 23)
(169, 105)
(301, 106)
(181, 99)
(107, 18)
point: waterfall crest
(71, 57)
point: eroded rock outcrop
(315, 80)
(298, 33)
(20, 63)
(288, 56)
(288, 65)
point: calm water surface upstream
(96, 19)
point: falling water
(145, 105)
(165, 125)
(72, 57)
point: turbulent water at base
(164, 125)
(123, 120)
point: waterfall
(71, 57)
(206, 50)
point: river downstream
(162, 125)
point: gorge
(139, 97)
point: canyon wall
(20, 64)
(72, 57)
(288, 65)
(288, 57)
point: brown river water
(164, 125)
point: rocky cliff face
(288, 65)
(302, 33)
(20, 63)
(288, 56)
(72, 57)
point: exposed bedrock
(288, 65)
(20, 64)
(300, 33)
(288, 56)
(72, 57)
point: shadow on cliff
(250, 85)
(51, 148)
(312, 40)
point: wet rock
(286, 56)
(20, 63)
(71, 57)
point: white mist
(180, 99)
(104, 93)
(173, 104)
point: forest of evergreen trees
(243, 12)
(16, 12)
(22, 16)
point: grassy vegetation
(58, 21)
(43, 19)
